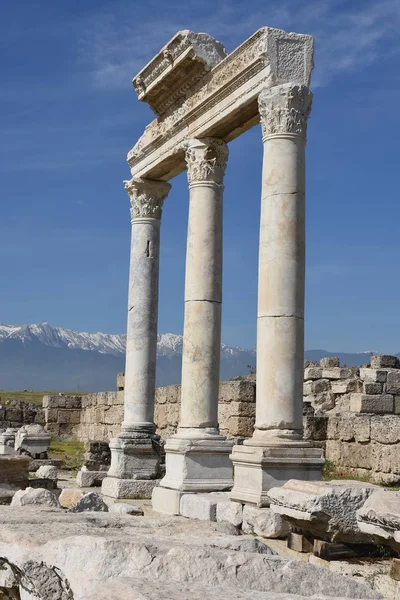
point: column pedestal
(197, 457)
(136, 451)
(277, 451)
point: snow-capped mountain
(40, 356)
(43, 357)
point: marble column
(277, 451)
(197, 457)
(135, 453)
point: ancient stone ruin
(242, 460)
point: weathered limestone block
(387, 458)
(361, 403)
(374, 375)
(344, 386)
(86, 478)
(202, 506)
(323, 401)
(336, 373)
(323, 507)
(316, 387)
(241, 426)
(35, 497)
(113, 414)
(384, 361)
(47, 471)
(369, 387)
(393, 382)
(237, 391)
(264, 522)
(355, 428)
(315, 427)
(332, 430)
(385, 429)
(333, 449)
(32, 440)
(312, 373)
(53, 401)
(71, 417)
(329, 361)
(397, 405)
(357, 456)
(380, 517)
(230, 512)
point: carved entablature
(206, 160)
(176, 68)
(147, 197)
(285, 109)
(222, 103)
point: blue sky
(68, 116)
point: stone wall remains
(354, 414)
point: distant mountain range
(41, 357)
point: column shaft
(203, 296)
(141, 342)
(280, 325)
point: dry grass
(29, 396)
(71, 452)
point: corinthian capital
(285, 109)
(206, 160)
(147, 197)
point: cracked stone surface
(148, 557)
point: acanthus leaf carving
(206, 160)
(146, 197)
(285, 109)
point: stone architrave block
(369, 387)
(393, 382)
(323, 507)
(374, 375)
(362, 403)
(202, 506)
(384, 361)
(231, 512)
(264, 522)
(329, 361)
(336, 373)
(380, 517)
(312, 373)
(385, 429)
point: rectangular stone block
(397, 405)
(202, 506)
(72, 417)
(54, 401)
(51, 415)
(336, 373)
(356, 455)
(166, 501)
(242, 409)
(239, 391)
(241, 426)
(384, 361)
(362, 428)
(312, 373)
(333, 450)
(361, 403)
(73, 402)
(332, 429)
(344, 386)
(375, 375)
(372, 388)
(386, 458)
(231, 512)
(393, 382)
(385, 429)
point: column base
(195, 464)
(128, 488)
(135, 455)
(259, 468)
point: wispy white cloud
(350, 35)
